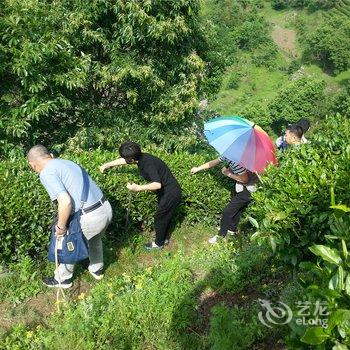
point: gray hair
(38, 152)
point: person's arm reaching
(113, 163)
(213, 163)
(243, 178)
(153, 186)
(64, 211)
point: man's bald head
(38, 156)
(38, 152)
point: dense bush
(234, 79)
(25, 212)
(301, 98)
(340, 102)
(329, 281)
(65, 62)
(258, 112)
(309, 4)
(265, 55)
(292, 207)
(329, 44)
(252, 33)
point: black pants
(233, 211)
(167, 204)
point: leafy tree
(309, 4)
(329, 44)
(63, 63)
(302, 98)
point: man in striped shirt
(245, 184)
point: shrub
(340, 102)
(294, 66)
(292, 207)
(302, 98)
(258, 112)
(265, 55)
(252, 33)
(329, 44)
(67, 60)
(25, 213)
(234, 79)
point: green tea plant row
(302, 210)
(26, 212)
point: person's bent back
(63, 181)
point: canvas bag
(74, 246)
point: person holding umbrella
(246, 149)
(245, 184)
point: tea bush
(328, 281)
(292, 206)
(25, 212)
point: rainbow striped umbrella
(241, 141)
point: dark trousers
(233, 211)
(167, 204)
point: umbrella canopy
(241, 141)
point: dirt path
(285, 40)
(36, 310)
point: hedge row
(292, 206)
(25, 210)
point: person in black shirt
(161, 181)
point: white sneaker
(214, 239)
(153, 245)
(229, 232)
(98, 275)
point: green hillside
(81, 77)
(247, 85)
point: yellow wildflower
(81, 296)
(30, 334)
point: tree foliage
(329, 44)
(63, 62)
(309, 4)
